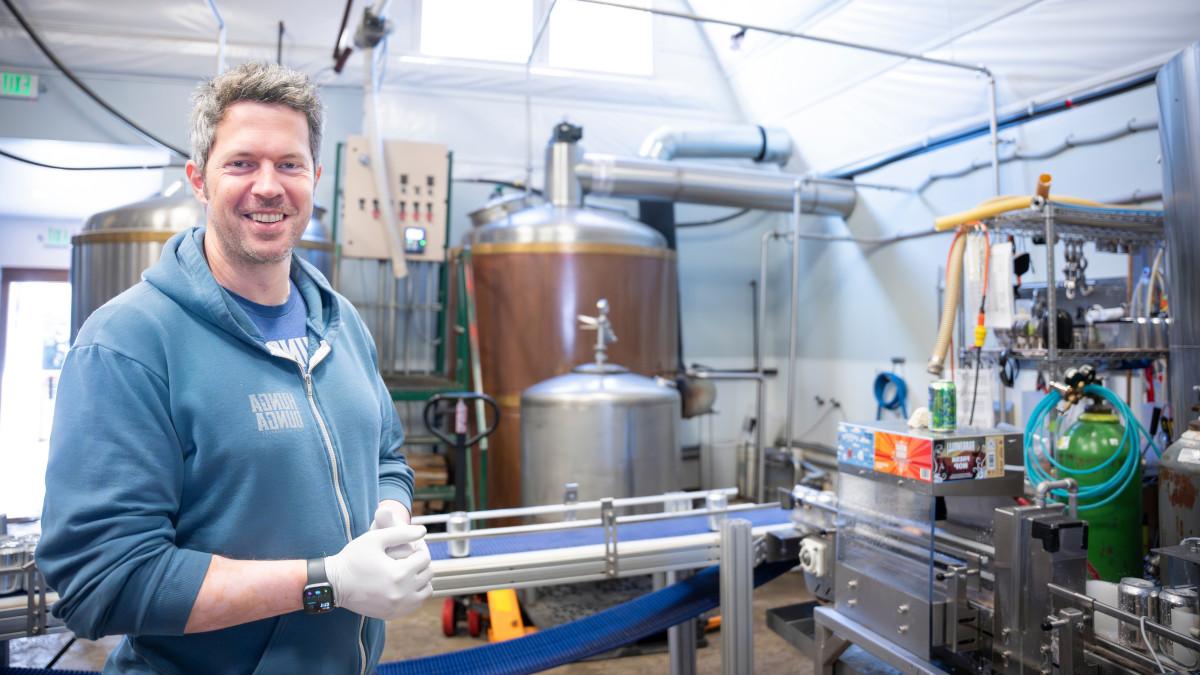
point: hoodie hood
(183, 275)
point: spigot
(603, 327)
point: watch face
(318, 598)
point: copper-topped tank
(535, 271)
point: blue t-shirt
(282, 326)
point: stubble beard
(233, 242)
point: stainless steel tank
(116, 246)
(613, 432)
(534, 270)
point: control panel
(418, 174)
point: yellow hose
(997, 205)
(950, 301)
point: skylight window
(484, 30)
(603, 39)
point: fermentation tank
(535, 270)
(613, 432)
(116, 246)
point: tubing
(1153, 280)
(949, 305)
(996, 206)
(1104, 492)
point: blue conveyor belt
(654, 529)
(601, 632)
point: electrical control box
(418, 176)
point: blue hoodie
(177, 436)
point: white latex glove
(368, 579)
(393, 514)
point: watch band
(316, 571)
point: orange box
(904, 456)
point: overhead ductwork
(612, 176)
(767, 145)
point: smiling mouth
(265, 217)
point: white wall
(24, 243)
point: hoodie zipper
(320, 354)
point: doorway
(35, 326)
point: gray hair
(259, 82)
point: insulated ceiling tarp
(844, 105)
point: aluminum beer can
(1176, 601)
(943, 406)
(1135, 596)
(458, 524)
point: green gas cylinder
(1114, 529)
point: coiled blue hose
(1090, 496)
(899, 398)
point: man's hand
(382, 574)
(390, 514)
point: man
(224, 456)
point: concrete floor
(420, 634)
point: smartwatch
(318, 592)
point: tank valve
(1071, 388)
(603, 327)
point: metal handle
(431, 408)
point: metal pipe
(378, 159)
(1131, 127)
(760, 461)
(793, 313)
(609, 175)
(801, 36)
(858, 184)
(681, 638)
(563, 153)
(737, 598)
(770, 145)
(1072, 488)
(734, 375)
(993, 115)
(976, 130)
(212, 5)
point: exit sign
(18, 85)
(57, 237)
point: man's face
(258, 183)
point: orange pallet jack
(500, 613)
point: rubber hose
(899, 398)
(952, 297)
(1150, 288)
(997, 205)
